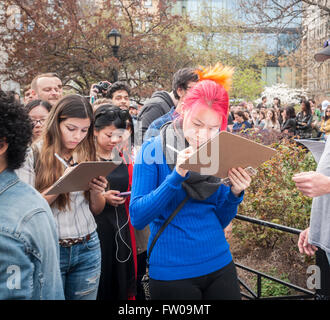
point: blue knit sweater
(193, 244)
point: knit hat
(325, 104)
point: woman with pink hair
(191, 257)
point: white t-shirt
(76, 222)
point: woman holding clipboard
(68, 135)
(191, 258)
(116, 233)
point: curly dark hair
(15, 129)
(116, 87)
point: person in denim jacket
(29, 253)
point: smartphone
(124, 194)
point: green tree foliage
(214, 35)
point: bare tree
(311, 20)
(281, 14)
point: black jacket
(304, 125)
(289, 125)
(159, 104)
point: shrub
(272, 195)
(270, 288)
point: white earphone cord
(118, 232)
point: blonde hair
(218, 73)
(43, 75)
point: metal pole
(115, 75)
(269, 224)
(115, 71)
(322, 262)
(259, 286)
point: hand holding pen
(182, 157)
(68, 168)
(61, 159)
(96, 185)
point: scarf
(197, 186)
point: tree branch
(318, 4)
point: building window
(273, 75)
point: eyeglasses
(35, 122)
(112, 115)
(326, 43)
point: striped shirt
(76, 222)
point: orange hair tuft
(219, 74)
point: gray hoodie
(319, 234)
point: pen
(173, 149)
(63, 161)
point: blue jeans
(80, 269)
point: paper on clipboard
(226, 151)
(79, 177)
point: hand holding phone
(124, 194)
(114, 198)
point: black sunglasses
(112, 115)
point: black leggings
(219, 285)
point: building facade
(315, 76)
(275, 42)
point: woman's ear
(3, 147)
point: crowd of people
(304, 121)
(93, 244)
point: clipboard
(226, 151)
(79, 177)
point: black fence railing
(304, 293)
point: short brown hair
(242, 115)
(26, 88)
(100, 102)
